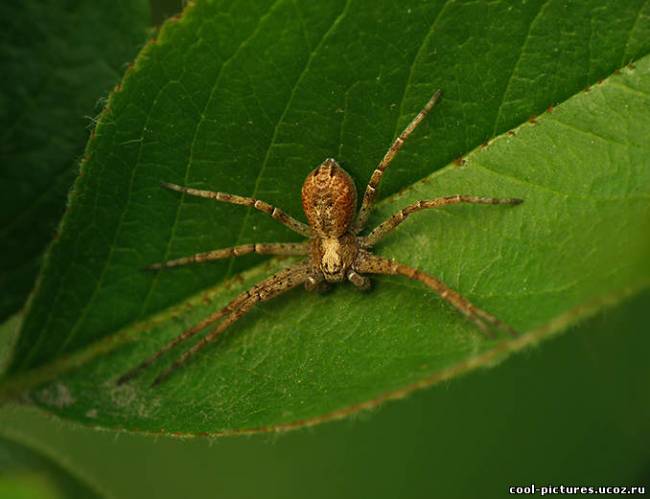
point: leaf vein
(274, 136)
(516, 65)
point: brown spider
(335, 252)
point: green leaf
(28, 473)
(249, 104)
(58, 58)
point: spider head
(329, 199)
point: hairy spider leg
(373, 264)
(267, 289)
(316, 283)
(279, 249)
(386, 227)
(371, 188)
(276, 213)
(360, 281)
(232, 306)
(188, 333)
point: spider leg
(188, 333)
(245, 249)
(316, 283)
(276, 213)
(231, 307)
(360, 281)
(271, 287)
(371, 188)
(386, 227)
(373, 264)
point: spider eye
(330, 163)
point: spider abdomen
(329, 200)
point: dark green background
(30, 474)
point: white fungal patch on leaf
(56, 395)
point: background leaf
(58, 59)
(249, 104)
(26, 473)
(580, 398)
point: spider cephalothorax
(335, 251)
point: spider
(335, 251)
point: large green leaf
(58, 59)
(30, 474)
(249, 103)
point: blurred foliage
(27, 473)
(162, 9)
(59, 59)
